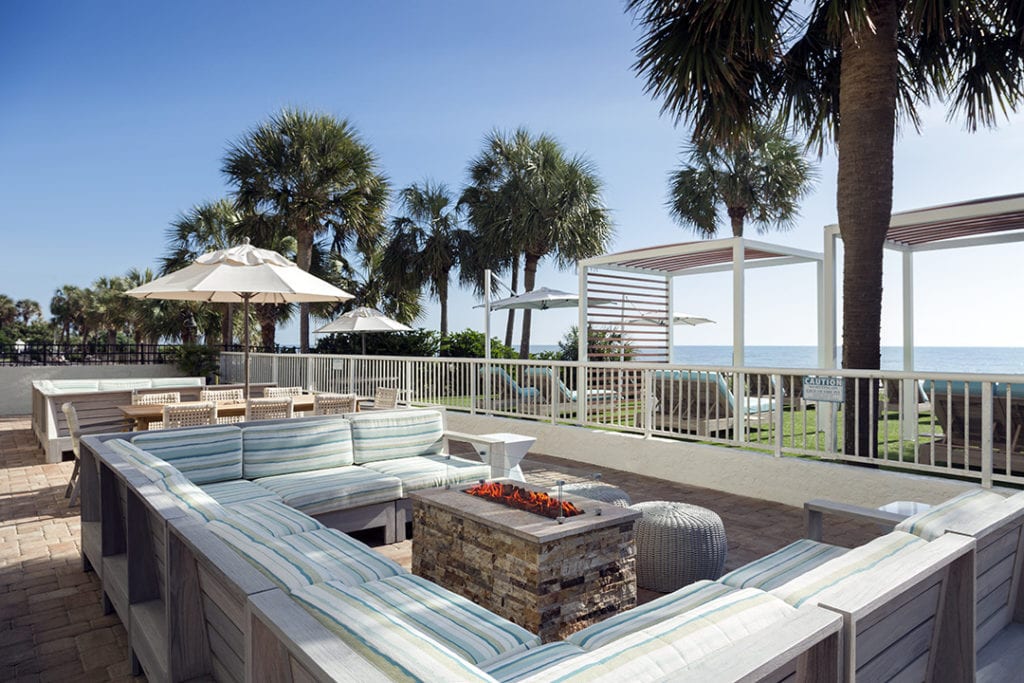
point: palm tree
(61, 311)
(28, 310)
(313, 173)
(761, 177)
(426, 243)
(8, 310)
(527, 193)
(723, 66)
(112, 306)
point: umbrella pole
(246, 328)
(362, 338)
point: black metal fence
(103, 354)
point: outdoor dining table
(143, 415)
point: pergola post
(582, 342)
(669, 282)
(908, 416)
(827, 413)
(738, 341)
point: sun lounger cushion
(397, 435)
(300, 446)
(150, 466)
(831, 579)
(521, 665)
(332, 489)
(431, 471)
(474, 633)
(204, 455)
(648, 614)
(656, 652)
(931, 523)
(238, 491)
(270, 517)
(772, 571)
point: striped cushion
(396, 435)
(151, 467)
(191, 498)
(653, 612)
(663, 648)
(771, 571)
(282, 565)
(333, 489)
(238, 491)
(932, 523)
(399, 649)
(161, 382)
(270, 517)
(353, 562)
(425, 472)
(69, 386)
(269, 450)
(520, 665)
(122, 384)
(204, 455)
(850, 570)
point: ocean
(980, 359)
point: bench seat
(238, 491)
(319, 491)
(430, 471)
(778, 568)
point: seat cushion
(151, 467)
(521, 665)
(648, 614)
(204, 454)
(771, 571)
(298, 446)
(848, 571)
(656, 652)
(329, 547)
(337, 488)
(191, 498)
(387, 436)
(238, 491)
(425, 472)
(931, 523)
(269, 517)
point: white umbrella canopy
(677, 319)
(543, 298)
(242, 273)
(363, 320)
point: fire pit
(549, 577)
(539, 503)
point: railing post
(407, 380)
(986, 434)
(777, 413)
(554, 393)
(473, 373)
(739, 412)
(273, 370)
(647, 396)
(581, 393)
(310, 368)
(350, 361)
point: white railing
(955, 424)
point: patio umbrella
(677, 319)
(363, 321)
(543, 298)
(242, 273)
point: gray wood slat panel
(911, 647)
(994, 577)
(212, 588)
(149, 638)
(875, 639)
(115, 583)
(915, 672)
(995, 600)
(221, 674)
(230, 632)
(230, 662)
(999, 548)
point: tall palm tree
(28, 310)
(314, 173)
(8, 310)
(526, 192)
(61, 311)
(426, 242)
(721, 66)
(761, 177)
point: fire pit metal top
(537, 502)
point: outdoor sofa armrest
(473, 439)
(813, 510)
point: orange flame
(524, 499)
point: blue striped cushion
(667, 647)
(282, 565)
(353, 562)
(425, 472)
(333, 489)
(270, 517)
(519, 666)
(269, 450)
(648, 614)
(399, 649)
(771, 571)
(191, 498)
(396, 435)
(850, 570)
(204, 455)
(238, 491)
(931, 523)
(151, 467)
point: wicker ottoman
(606, 493)
(677, 544)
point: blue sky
(115, 117)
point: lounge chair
(543, 380)
(508, 396)
(700, 403)
(763, 386)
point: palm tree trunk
(529, 279)
(867, 99)
(736, 216)
(511, 322)
(225, 325)
(442, 297)
(268, 325)
(303, 258)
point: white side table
(905, 507)
(516, 448)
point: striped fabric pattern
(238, 491)
(388, 436)
(269, 450)
(831, 579)
(643, 616)
(771, 571)
(191, 498)
(519, 666)
(281, 564)
(425, 472)
(333, 489)
(658, 651)
(270, 517)
(151, 467)
(205, 455)
(932, 523)
(331, 548)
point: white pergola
(634, 271)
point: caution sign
(828, 389)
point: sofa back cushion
(204, 455)
(296, 446)
(386, 436)
(151, 467)
(72, 386)
(957, 511)
(191, 498)
(125, 383)
(161, 382)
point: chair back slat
(192, 414)
(268, 408)
(334, 404)
(278, 392)
(385, 397)
(222, 395)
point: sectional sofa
(221, 549)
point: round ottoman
(595, 490)
(677, 544)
